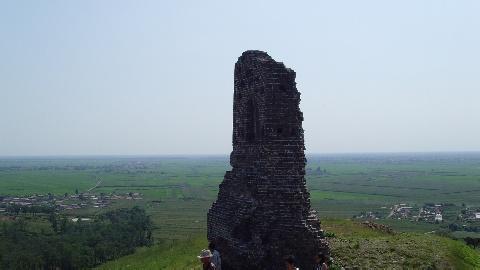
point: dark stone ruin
(263, 212)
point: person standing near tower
(206, 259)
(216, 260)
(290, 263)
(321, 262)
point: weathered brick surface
(263, 208)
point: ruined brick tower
(263, 208)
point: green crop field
(177, 191)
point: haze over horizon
(155, 78)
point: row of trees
(16, 209)
(74, 245)
(474, 227)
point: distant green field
(178, 191)
(44, 181)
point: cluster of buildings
(401, 211)
(66, 202)
(81, 201)
(432, 213)
(43, 200)
(429, 212)
(368, 215)
(470, 215)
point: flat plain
(177, 191)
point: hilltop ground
(354, 245)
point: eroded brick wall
(263, 208)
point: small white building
(438, 217)
(477, 215)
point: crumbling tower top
(265, 101)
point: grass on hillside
(354, 245)
(358, 246)
(170, 254)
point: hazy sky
(156, 77)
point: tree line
(15, 209)
(74, 245)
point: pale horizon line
(226, 155)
